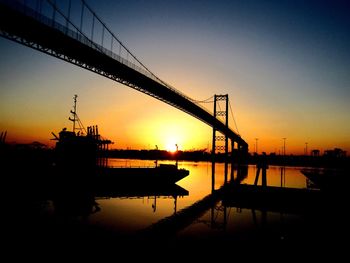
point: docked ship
(79, 148)
(161, 174)
(80, 151)
(331, 179)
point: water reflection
(74, 197)
(80, 203)
(184, 211)
(225, 223)
(287, 211)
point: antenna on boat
(74, 112)
(75, 118)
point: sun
(171, 147)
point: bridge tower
(219, 113)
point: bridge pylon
(218, 112)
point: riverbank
(200, 155)
(29, 154)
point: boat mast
(74, 112)
(76, 119)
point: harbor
(187, 212)
(176, 201)
(202, 130)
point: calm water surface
(127, 215)
(80, 217)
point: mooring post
(261, 165)
(257, 175)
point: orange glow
(274, 94)
(136, 121)
(171, 146)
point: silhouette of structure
(81, 151)
(315, 152)
(3, 137)
(48, 26)
(261, 165)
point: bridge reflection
(272, 211)
(175, 223)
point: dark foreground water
(127, 221)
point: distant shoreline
(28, 153)
(288, 160)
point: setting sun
(171, 146)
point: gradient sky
(284, 64)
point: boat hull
(143, 176)
(327, 179)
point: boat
(79, 152)
(80, 147)
(137, 191)
(326, 178)
(161, 174)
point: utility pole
(177, 149)
(284, 146)
(306, 148)
(256, 145)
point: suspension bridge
(71, 30)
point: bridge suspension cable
(58, 14)
(41, 12)
(101, 48)
(233, 117)
(53, 3)
(114, 37)
(208, 100)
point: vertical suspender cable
(103, 34)
(67, 20)
(82, 14)
(92, 29)
(54, 13)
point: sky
(284, 64)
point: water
(77, 218)
(129, 215)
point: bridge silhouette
(70, 30)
